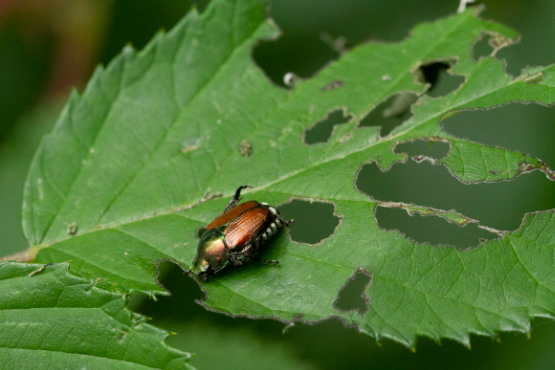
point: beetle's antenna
(236, 198)
(238, 192)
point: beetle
(235, 236)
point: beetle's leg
(236, 260)
(221, 268)
(284, 221)
(273, 262)
(279, 220)
(235, 200)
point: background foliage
(356, 28)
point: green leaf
(134, 163)
(52, 319)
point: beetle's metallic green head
(212, 254)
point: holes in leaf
(352, 295)
(300, 53)
(184, 292)
(500, 205)
(322, 130)
(431, 229)
(527, 128)
(428, 148)
(482, 48)
(314, 221)
(396, 109)
(390, 113)
(442, 83)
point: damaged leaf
(133, 159)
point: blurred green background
(49, 46)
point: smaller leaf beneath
(49, 317)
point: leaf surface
(157, 134)
(52, 319)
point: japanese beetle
(236, 235)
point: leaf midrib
(379, 140)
